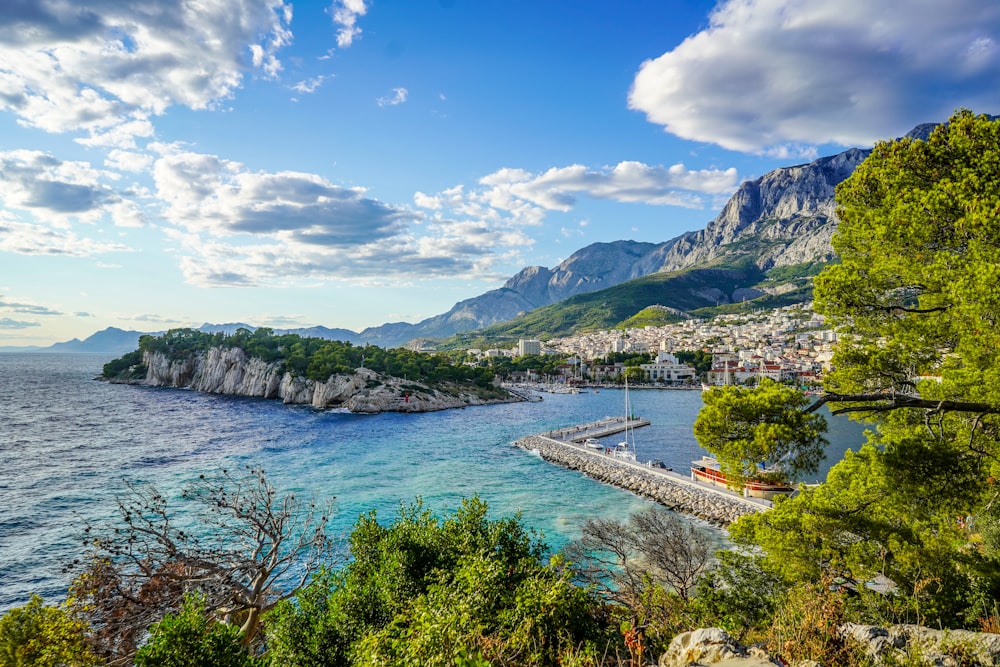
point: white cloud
(59, 190)
(101, 64)
(128, 161)
(780, 76)
(398, 97)
(634, 182)
(237, 228)
(310, 85)
(345, 15)
(34, 239)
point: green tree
(635, 375)
(426, 590)
(190, 638)
(915, 302)
(39, 635)
(750, 430)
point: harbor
(567, 448)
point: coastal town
(790, 344)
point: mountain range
(783, 219)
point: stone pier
(715, 505)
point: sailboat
(625, 450)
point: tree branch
(889, 402)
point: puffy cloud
(780, 76)
(237, 228)
(37, 180)
(105, 66)
(59, 192)
(521, 198)
(398, 97)
(635, 182)
(345, 15)
(128, 161)
(206, 193)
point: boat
(625, 450)
(593, 443)
(707, 470)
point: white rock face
(934, 646)
(295, 389)
(704, 646)
(231, 371)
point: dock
(564, 447)
(597, 429)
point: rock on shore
(231, 371)
(712, 507)
(897, 644)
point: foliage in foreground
(434, 592)
(39, 635)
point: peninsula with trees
(309, 371)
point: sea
(70, 445)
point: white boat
(625, 449)
(593, 443)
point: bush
(190, 639)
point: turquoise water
(68, 444)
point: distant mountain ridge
(784, 218)
(115, 341)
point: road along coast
(678, 492)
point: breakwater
(679, 493)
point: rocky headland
(232, 371)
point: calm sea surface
(68, 443)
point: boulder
(704, 646)
(935, 647)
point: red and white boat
(708, 471)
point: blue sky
(165, 163)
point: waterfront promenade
(678, 492)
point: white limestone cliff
(230, 371)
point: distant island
(303, 370)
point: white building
(666, 368)
(525, 347)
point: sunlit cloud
(105, 66)
(238, 228)
(345, 14)
(781, 76)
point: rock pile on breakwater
(715, 508)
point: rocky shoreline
(231, 371)
(715, 508)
